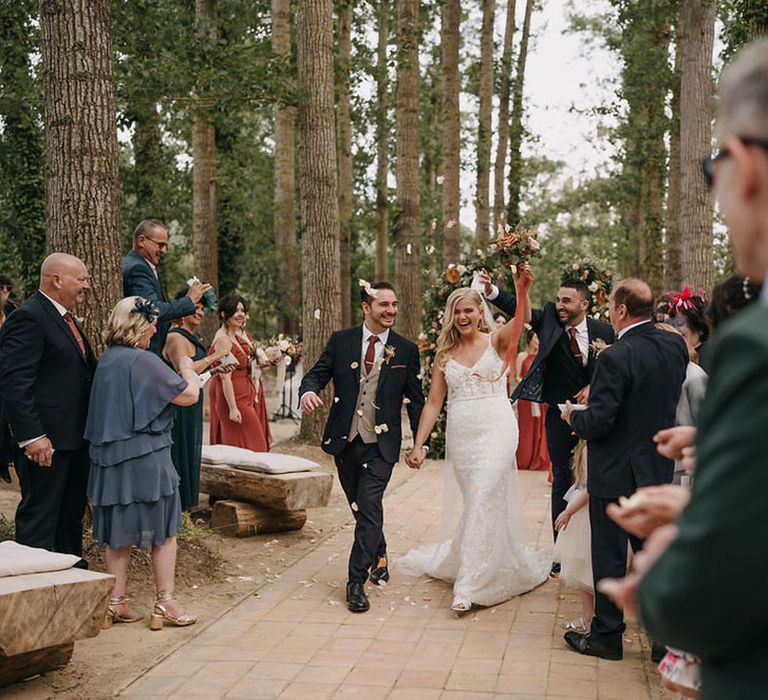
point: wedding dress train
(486, 555)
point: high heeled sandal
(578, 626)
(112, 614)
(161, 615)
(461, 606)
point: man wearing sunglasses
(704, 589)
(150, 245)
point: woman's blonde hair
(127, 322)
(448, 340)
(579, 462)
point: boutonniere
(80, 320)
(389, 353)
(597, 346)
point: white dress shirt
(582, 338)
(378, 349)
(634, 325)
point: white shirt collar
(383, 336)
(61, 309)
(581, 327)
(634, 325)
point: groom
(373, 370)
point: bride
(486, 556)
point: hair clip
(746, 290)
(146, 308)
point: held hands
(416, 457)
(40, 452)
(197, 289)
(310, 402)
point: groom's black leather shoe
(585, 644)
(380, 573)
(357, 601)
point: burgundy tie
(72, 327)
(575, 350)
(370, 353)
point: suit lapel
(355, 353)
(58, 319)
(384, 371)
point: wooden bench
(42, 615)
(248, 503)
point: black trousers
(560, 443)
(364, 476)
(50, 514)
(609, 560)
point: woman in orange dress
(238, 412)
(532, 450)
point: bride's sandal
(460, 605)
(578, 626)
(118, 610)
(160, 614)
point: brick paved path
(295, 638)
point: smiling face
(381, 312)
(466, 317)
(193, 321)
(237, 320)
(153, 245)
(571, 306)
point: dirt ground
(214, 573)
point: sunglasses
(708, 163)
(6, 287)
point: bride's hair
(449, 338)
(579, 462)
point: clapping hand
(622, 590)
(671, 442)
(650, 508)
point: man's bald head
(64, 277)
(631, 302)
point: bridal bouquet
(276, 349)
(515, 245)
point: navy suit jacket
(633, 395)
(139, 280)
(45, 379)
(399, 378)
(547, 325)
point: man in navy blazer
(558, 374)
(634, 394)
(46, 368)
(150, 245)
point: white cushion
(266, 462)
(17, 559)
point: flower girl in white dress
(487, 556)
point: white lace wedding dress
(487, 555)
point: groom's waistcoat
(364, 417)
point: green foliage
(743, 21)
(22, 189)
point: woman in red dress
(532, 450)
(238, 412)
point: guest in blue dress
(133, 486)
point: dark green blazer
(708, 593)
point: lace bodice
(477, 381)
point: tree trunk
(484, 126)
(451, 130)
(516, 126)
(344, 119)
(146, 153)
(382, 144)
(319, 189)
(204, 239)
(82, 194)
(407, 233)
(499, 209)
(695, 139)
(674, 271)
(285, 182)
